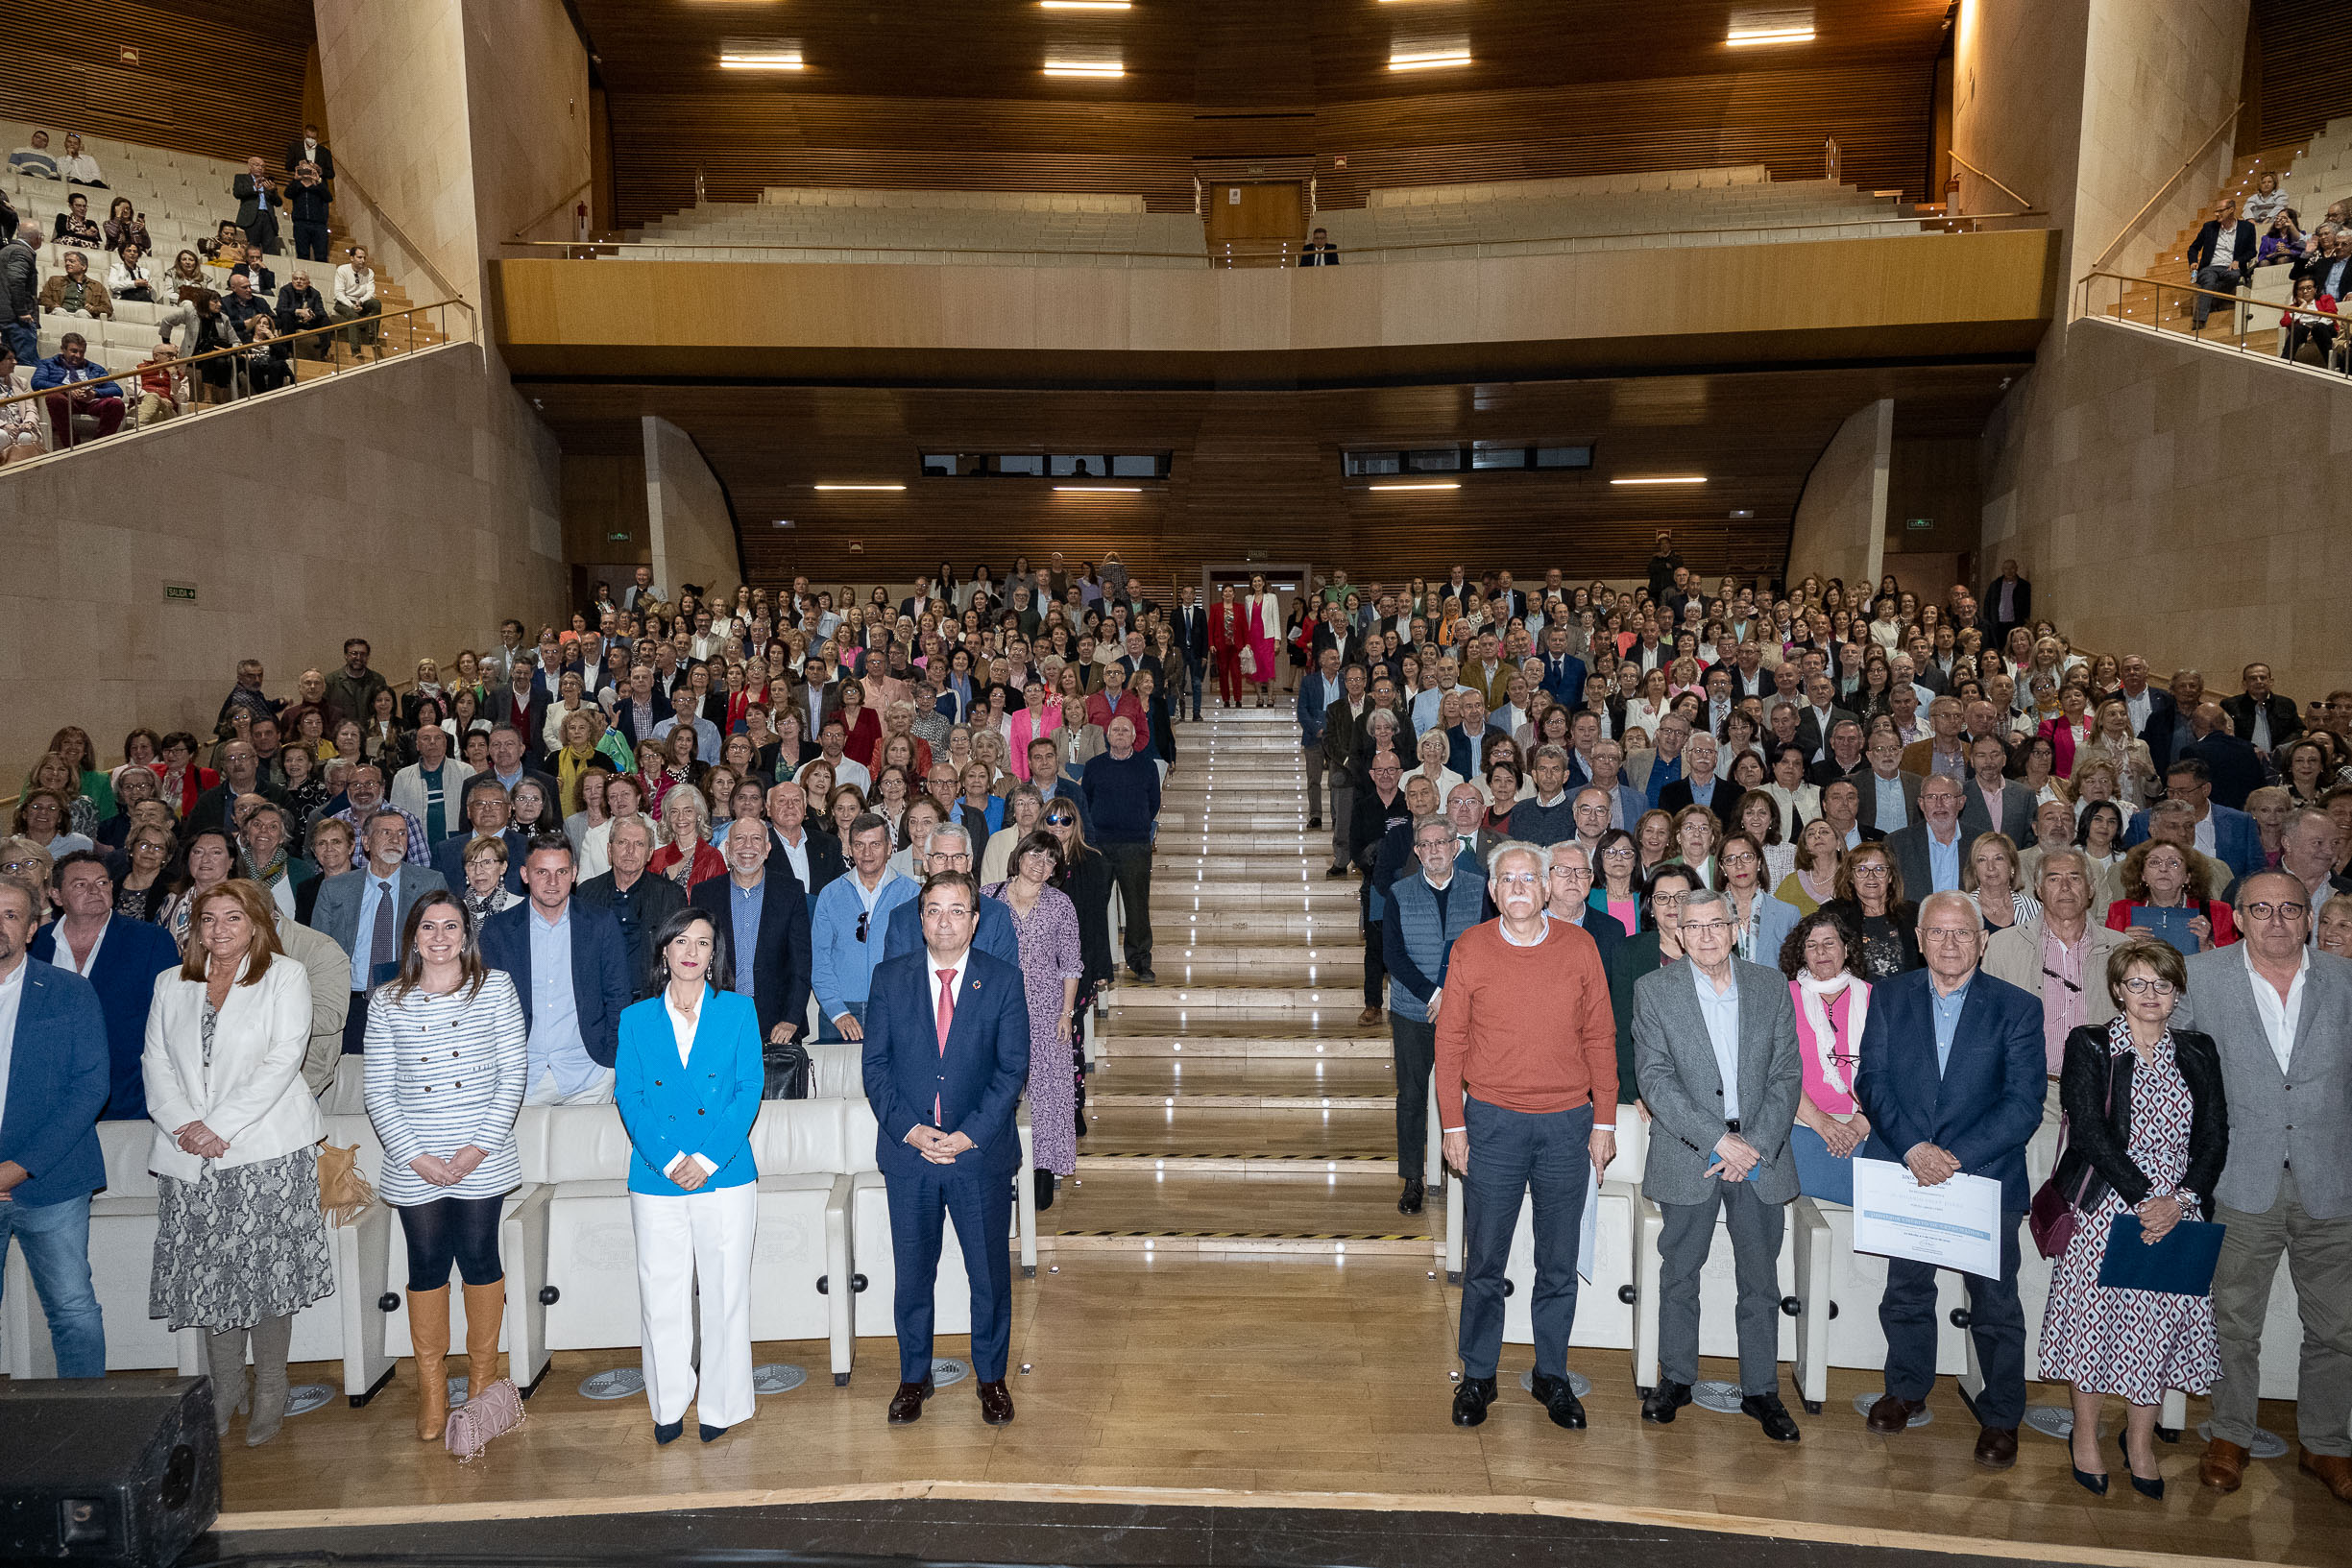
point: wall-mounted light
(1433, 484)
(858, 487)
(1098, 490)
(1428, 61)
(1665, 479)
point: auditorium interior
(751, 291)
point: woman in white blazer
(448, 1054)
(240, 1243)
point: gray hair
(1929, 905)
(947, 830)
(693, 798)
(1549, 753)
(1703, 896)
(1432, 819)
(1381, 719)
(2049, 858)
(1540, 854)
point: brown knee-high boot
(428, 1333)
(485, 1310)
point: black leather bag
(789, 1070)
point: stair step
(1211, 1212)
(1238, 1082)
(1332, 926)
(1137, 999)
(1315, 895)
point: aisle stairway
(1237, 1108)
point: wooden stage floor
(1274, 1376)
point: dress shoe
(2223, 1466)
(1314, 822)
(1143, 974)
(1893, 1414)
(1410, 1203)
(1997, 1447)
(1369, 1016)
(1772, 1415)
(2094, 1485)
(709, 1433)
(2146, 1489)
(1471, 1399)
(666, 1433)
(2333, 1471)
(1042, 1180)
(907, 1405)
(995, 1404)
(1658, 1405)
(1557, 1397)
(1335, 873)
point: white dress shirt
(64, 955)
(12, 996)
(2279, 1014)
(684, 1028)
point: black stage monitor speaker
(114, 1470)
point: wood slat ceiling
(952, 95)
(1259, 473)
(219, 78)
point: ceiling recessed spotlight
(1777, 35)
(859, 487)
(1428, 61)
(1084, 67)
(1767, 27)
(760, 54)
(1665, 479)
(1084, 5)
(1435, 484)
(1098, 490)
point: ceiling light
(760, 54)
(1741, 37)
(860, 487)
(1438, 484)
(1429, 61)
(1098, 490)
(1083, 4)
(1665, 479)
(1084, 67)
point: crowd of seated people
(1861, 752)
(223, 292)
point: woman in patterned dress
(240, 1243)
(1046, 922)
(2146, 1134)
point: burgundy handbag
(2053, 1217)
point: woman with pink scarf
(1820, 958)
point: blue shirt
(745, 905)
(1722, 1015)
(1703, 795)
(1662, 772)
(1944, 863)
(1946, 1010)
(706, 738)
(555, 1045)
(1887, 804)
(363, 939)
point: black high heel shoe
(2146, 1489)
(2094, 1485)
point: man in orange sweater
(1523, 1024)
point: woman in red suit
(182, 780)
(2070, 732)
(860, 724)
(1228, 631)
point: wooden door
(1259, 223)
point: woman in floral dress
(1046, 922)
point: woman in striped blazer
(448, 1054)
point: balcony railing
(222, 378)
(2303, 336)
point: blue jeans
(825, 1029)
(1196, 666)
(23, 341)
(56, 1241)
(1512, 1154)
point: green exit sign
(616, 539)
(184, 593)
(1919, 526)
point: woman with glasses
(1652, 948)
(1617, 880)
(2158, 877)
(1832, 1001)
(1045, 921)
(1085, 878)
(2147, 1135)
(1869, 899)
(1764, 921)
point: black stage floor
(931, 1531)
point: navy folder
(1821, 1175)
(2182, 1264)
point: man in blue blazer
(53, 1084)
(767, 912)
(347, 905)
(1952, 1078)
(573, 1012)
(120, 957)
(2237, 839)
(949, 848)
(946, 1056)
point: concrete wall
(404, 519)
(690, 527)
(400, 122)
(1840, 526)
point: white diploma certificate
(1954, 1224)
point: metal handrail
(2132, 227)
(561, 202)
(424, 258)
(1929, 224)
(2236, 302)
(242, 349)
(1964, 163)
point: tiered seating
(1741, 205)
(929, 227)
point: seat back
(125, 1145)
(800, 1137)
(575, 1143)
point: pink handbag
(485, 1416)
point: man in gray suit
(1889, 796)
(1716, 1043)
(1931, 850)
(2281, 1014)
(366, 909)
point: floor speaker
(107, 1470)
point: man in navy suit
(1192, 640)
(767, 915)
(120, 957)
(1460, 755)
(948, 847)
(53, 1084)
(2234, 837)
(946, 1056)
(488, 814)
(1952, 1078)
(1564, 673)
(570, 967)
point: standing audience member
(120, 957)
(850, 926)
(365, 910)
(1122, 794)
(1045, 925)
(640, 902)
(1426, 914)
(767, 912)
(446, 1053)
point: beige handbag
(343, 1191)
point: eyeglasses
(2254, 911)
(1518, 879)
(2140, 986)
(1708, 927)
(1947, 933)
(1877, 871)
(1740, 859)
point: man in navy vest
(1426, 912)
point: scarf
(265, 875)
(1817, 996)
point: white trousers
(704, 1236)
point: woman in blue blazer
(688, 1081)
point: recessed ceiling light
(1438, 484)
(1098, 490)
(1084, 67)
(860, 487)
(1775, 34)
(1429, 61)
(1794, 25)
(1665, 479)
(760, 54)
(1083, 4)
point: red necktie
(947, 1017)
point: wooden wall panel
(2303, 56)
(220, 77)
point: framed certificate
(1954, 1224)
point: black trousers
(264, 233)
(463, 1231)
(1417, 1057)
(1997, 1321)
(1130, 867)
(310, 241)
(356, 1025)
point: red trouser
(107, 411)
(1229, 677)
